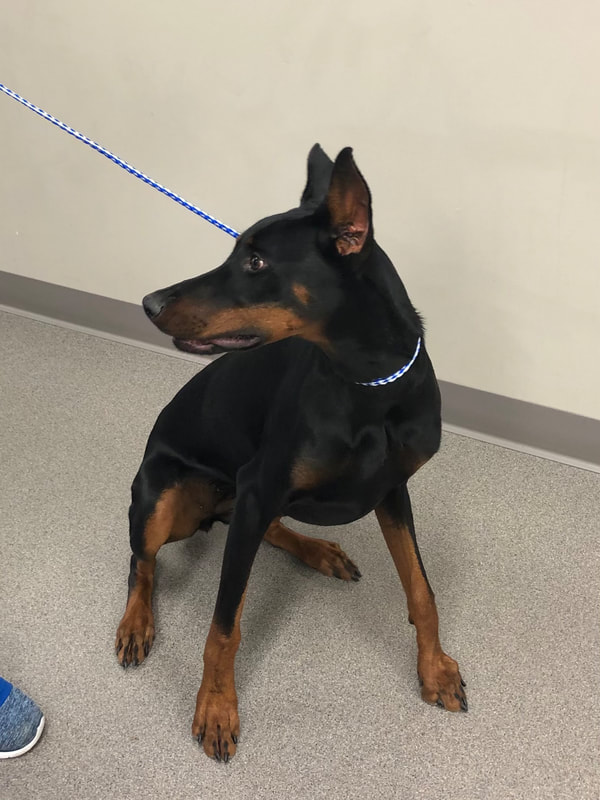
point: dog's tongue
(208, 345)
(196, 347)
(234, 341)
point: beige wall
(476, 122)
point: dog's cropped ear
(320, 167)
(349, 205)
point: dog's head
(286, 274)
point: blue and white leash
(402, 371)
(159, 187)
(116, 160)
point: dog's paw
(442, 685)
(135, 636)
(217, 724)
(329, 559)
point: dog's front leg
(216, 721)
(439, 675)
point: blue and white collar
(391, 378)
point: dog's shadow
(187, 578)
(280, 582)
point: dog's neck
(376, 331)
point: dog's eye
(255, 263)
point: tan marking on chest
(308, 474)
(305, 476)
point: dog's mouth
(220, 344)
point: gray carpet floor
(329, 698)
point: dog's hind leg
(324, 556)
(158, 514)
(440, 679)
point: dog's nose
(154, 304)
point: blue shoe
(21, 722)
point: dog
(323, 407)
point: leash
(119, 161)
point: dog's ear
(320, 167)
(349, 205)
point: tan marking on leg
(177, 515)
(135, 634)
(216, 721)
(180, 510)
(324, 556)
(441, 680)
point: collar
(396, 375)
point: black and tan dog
(324, 424)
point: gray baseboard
(491, 417)
(83, 309)
(536, 429)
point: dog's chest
(336, 479)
